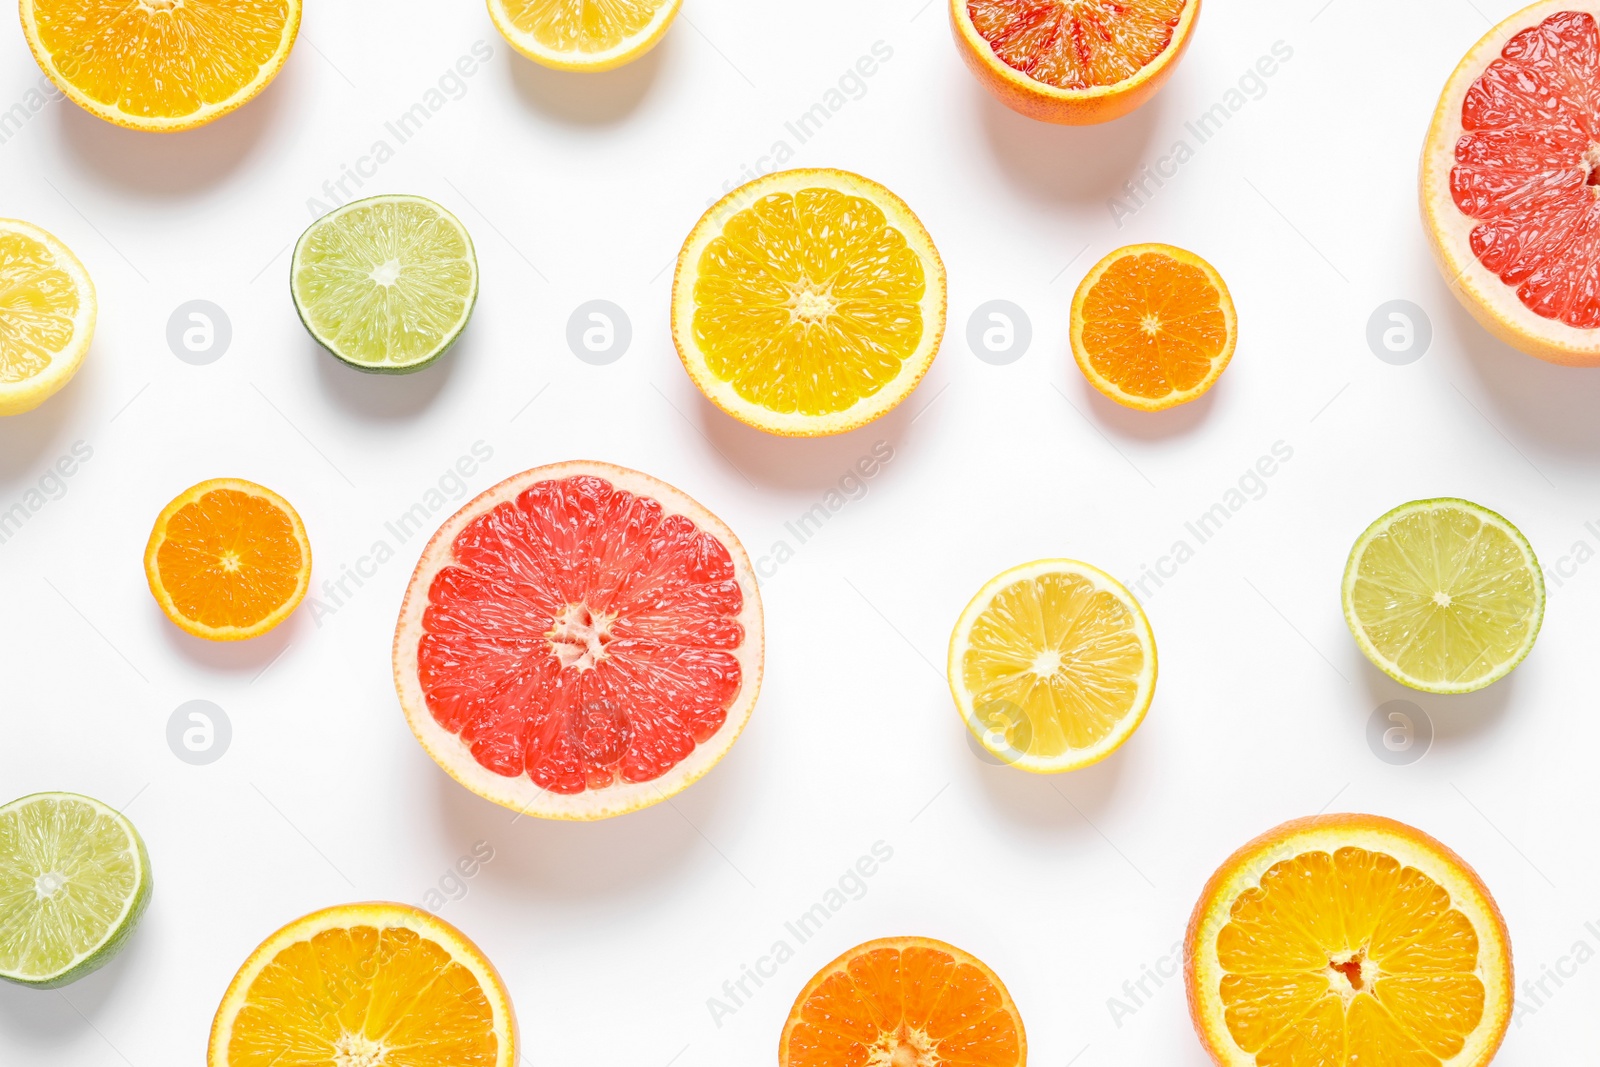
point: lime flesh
(74, 881)
(386, 284)
(1444, 595)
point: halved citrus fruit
(365, 985)
(808, 302)
(581, 34)
(904, 1002)
(1052, 665)
(1348, 941)
(47, 313)
(74, 882)
(1510, 181)
(1077, 62)
(386, 284)
(580, 641)
(1153, 326)
(228, 560)
(160, 65)
(1444, 595)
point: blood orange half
(580, 641)
(1510, 182)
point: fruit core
(357, 1050)
(1353, 968)
(812, 303)
(580, 636)
(903, 1047)
(387, 272)
(49, 884)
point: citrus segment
(160, 64)
(808, 302)
(1153, 326)
(580, 641)
(1444, 595)
(1074, 62)
(1052, 665)
(904, 1002)
(365, 985)
(74, 882)
(1346, 940)
(228, 560)
(47, 315)
(592, 35)
(385, 284)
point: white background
(612, 937)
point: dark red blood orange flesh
(582, 637)
(1079, 44)
(1526, 167)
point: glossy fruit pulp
(1077, 44)
(1153, 326)
(1526, 167)
(230, 559)
(1349, 959)
(582, 637)
(582, 25)
(38, 307)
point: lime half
(1444, 595)
(386, 284)
(74, 880)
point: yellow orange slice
(228, 560)
(1153, 326)
(1052, 665)
(160, 65)
(47, 314)
(808, 302)
(1348, 941)
(1075, 63)
(583, 35)
(904, 1002)
(365, 985)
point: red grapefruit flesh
(580, 641)
(1077, 45)
(1511, 181)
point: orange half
(1153, 326)
(228, 559)
(1348, 941)
(904, 1002)
(365, 985)
(160, 65)
(1075, 63)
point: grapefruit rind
(383, 916)
(1067, 107)
(173, 124)
(17, 398)
(1326, 833)
(625, 51)
(899, 215)
(1491, 301)
(1075, 759)
(520, 794)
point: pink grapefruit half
(1510, 181)
(580, 641)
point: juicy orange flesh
(1526, 168)
(1293, 941)
(38, 305)
(581, 25)
(161, 59)
(911, 1007)
(1154, 326)
(1053, 664)
(808, 302)
(1077, 44)
(230, 559)
(362, 996)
